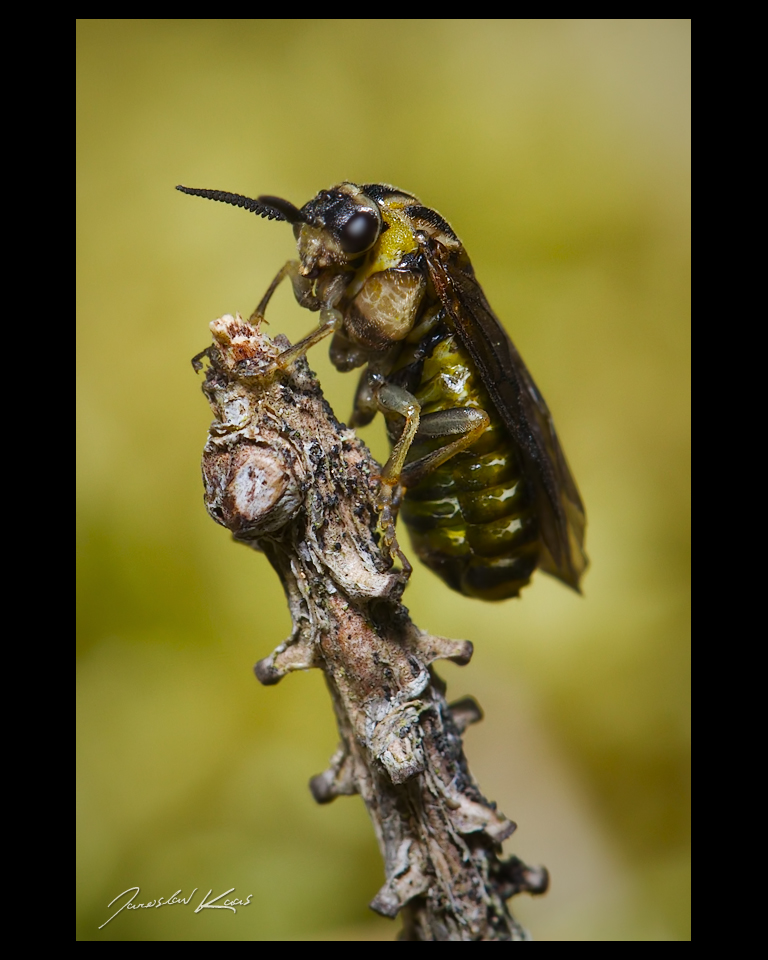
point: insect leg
(331, 319)
(302, 289)
(466, 424)
(390, 498)
(365, 407)
(390, 398)
(393, 399)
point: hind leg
(460, 427)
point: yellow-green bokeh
(559, 152)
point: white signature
(205, 903)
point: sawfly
(488, 493)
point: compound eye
(359, 232)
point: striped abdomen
(472, 520)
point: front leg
(302, 290)
(325, 300)
(330, 321)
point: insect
(488, 496)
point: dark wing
(522, 408)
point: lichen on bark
(286, 478)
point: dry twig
(287, 479)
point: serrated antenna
(273, 208)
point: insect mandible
(488, 496)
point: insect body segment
(472, 519)
(489, 496)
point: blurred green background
(559, 152)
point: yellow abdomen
(472, 520)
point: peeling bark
(287, 479)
